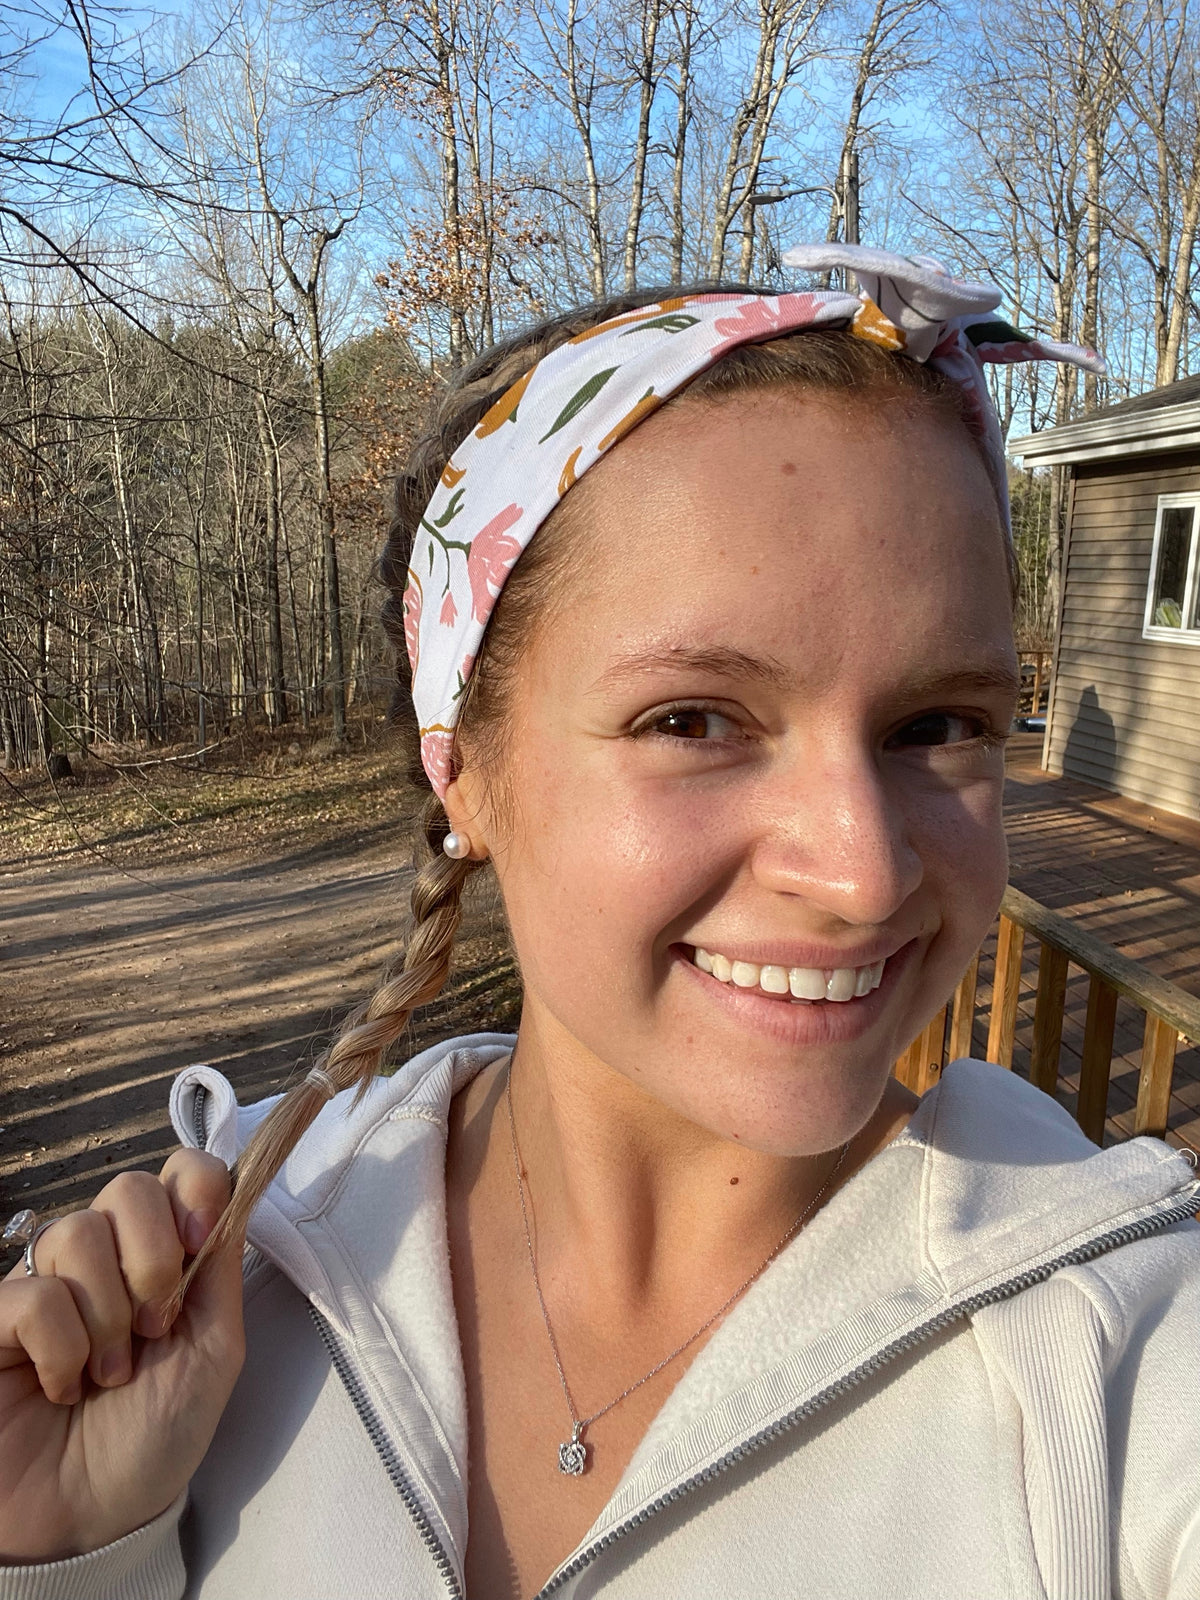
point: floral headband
(568, 412)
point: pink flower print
(955, 357)
(493, 554)
(760, 319)
(449, 612)
(1014, 350)
(437, 757)
(411, 606)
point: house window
(1173, 598)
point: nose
(833, 834)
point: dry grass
(268, 793)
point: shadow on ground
(111, 982)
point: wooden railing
(1039, 661)
(1171, 1013)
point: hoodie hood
(988, 1188)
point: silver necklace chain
(573, 1455)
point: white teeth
(803, 983)
(840, 984)
(807, 983)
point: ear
(467, 810)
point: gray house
(1124, 708)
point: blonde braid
(355, 1057)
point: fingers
(150, 1251)
(114, 1270)
(40, 1322)
(198, 1186)
(80, 1252)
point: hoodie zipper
(369, 1418)
(966, 1307)
(361, 1402)
(1127, 1233)
(199, 1120)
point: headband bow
(567, 412)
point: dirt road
(112, 980)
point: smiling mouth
(803, 985)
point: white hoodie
(974, 1375)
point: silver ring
(18, 1228)
(30, 1270)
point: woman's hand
(107, 1405)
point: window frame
(1191, 598)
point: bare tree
(892, 47)
(1041, 114)
(786, 40)
(685, 18)
(1159, 112)
(308, 200)
(575, 81)
(645, 74)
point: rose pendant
(572, 1456)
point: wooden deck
(1128, 875)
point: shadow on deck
(1126, 874)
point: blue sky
(60, 66)
(61, 73)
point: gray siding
(1125, 711)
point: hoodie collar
(989, 1180)
(988, 1186)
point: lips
(797, 984)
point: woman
(684, 1295)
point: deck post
(932, 1046)
(1096, 1062)
(921, 1064)
(962, 1020)
(1006, 991)
(1154, 1080)
(1048, 1017)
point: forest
(240, 243)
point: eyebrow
(987, 676)
(726, 662)
(716, 660)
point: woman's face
(764, 724)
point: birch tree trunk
(581, 88)
(684, 18)
(646, 67)
(786, 40)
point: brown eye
(689, 723)
(939, 727)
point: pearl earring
(457, 846)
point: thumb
(212, 1306)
